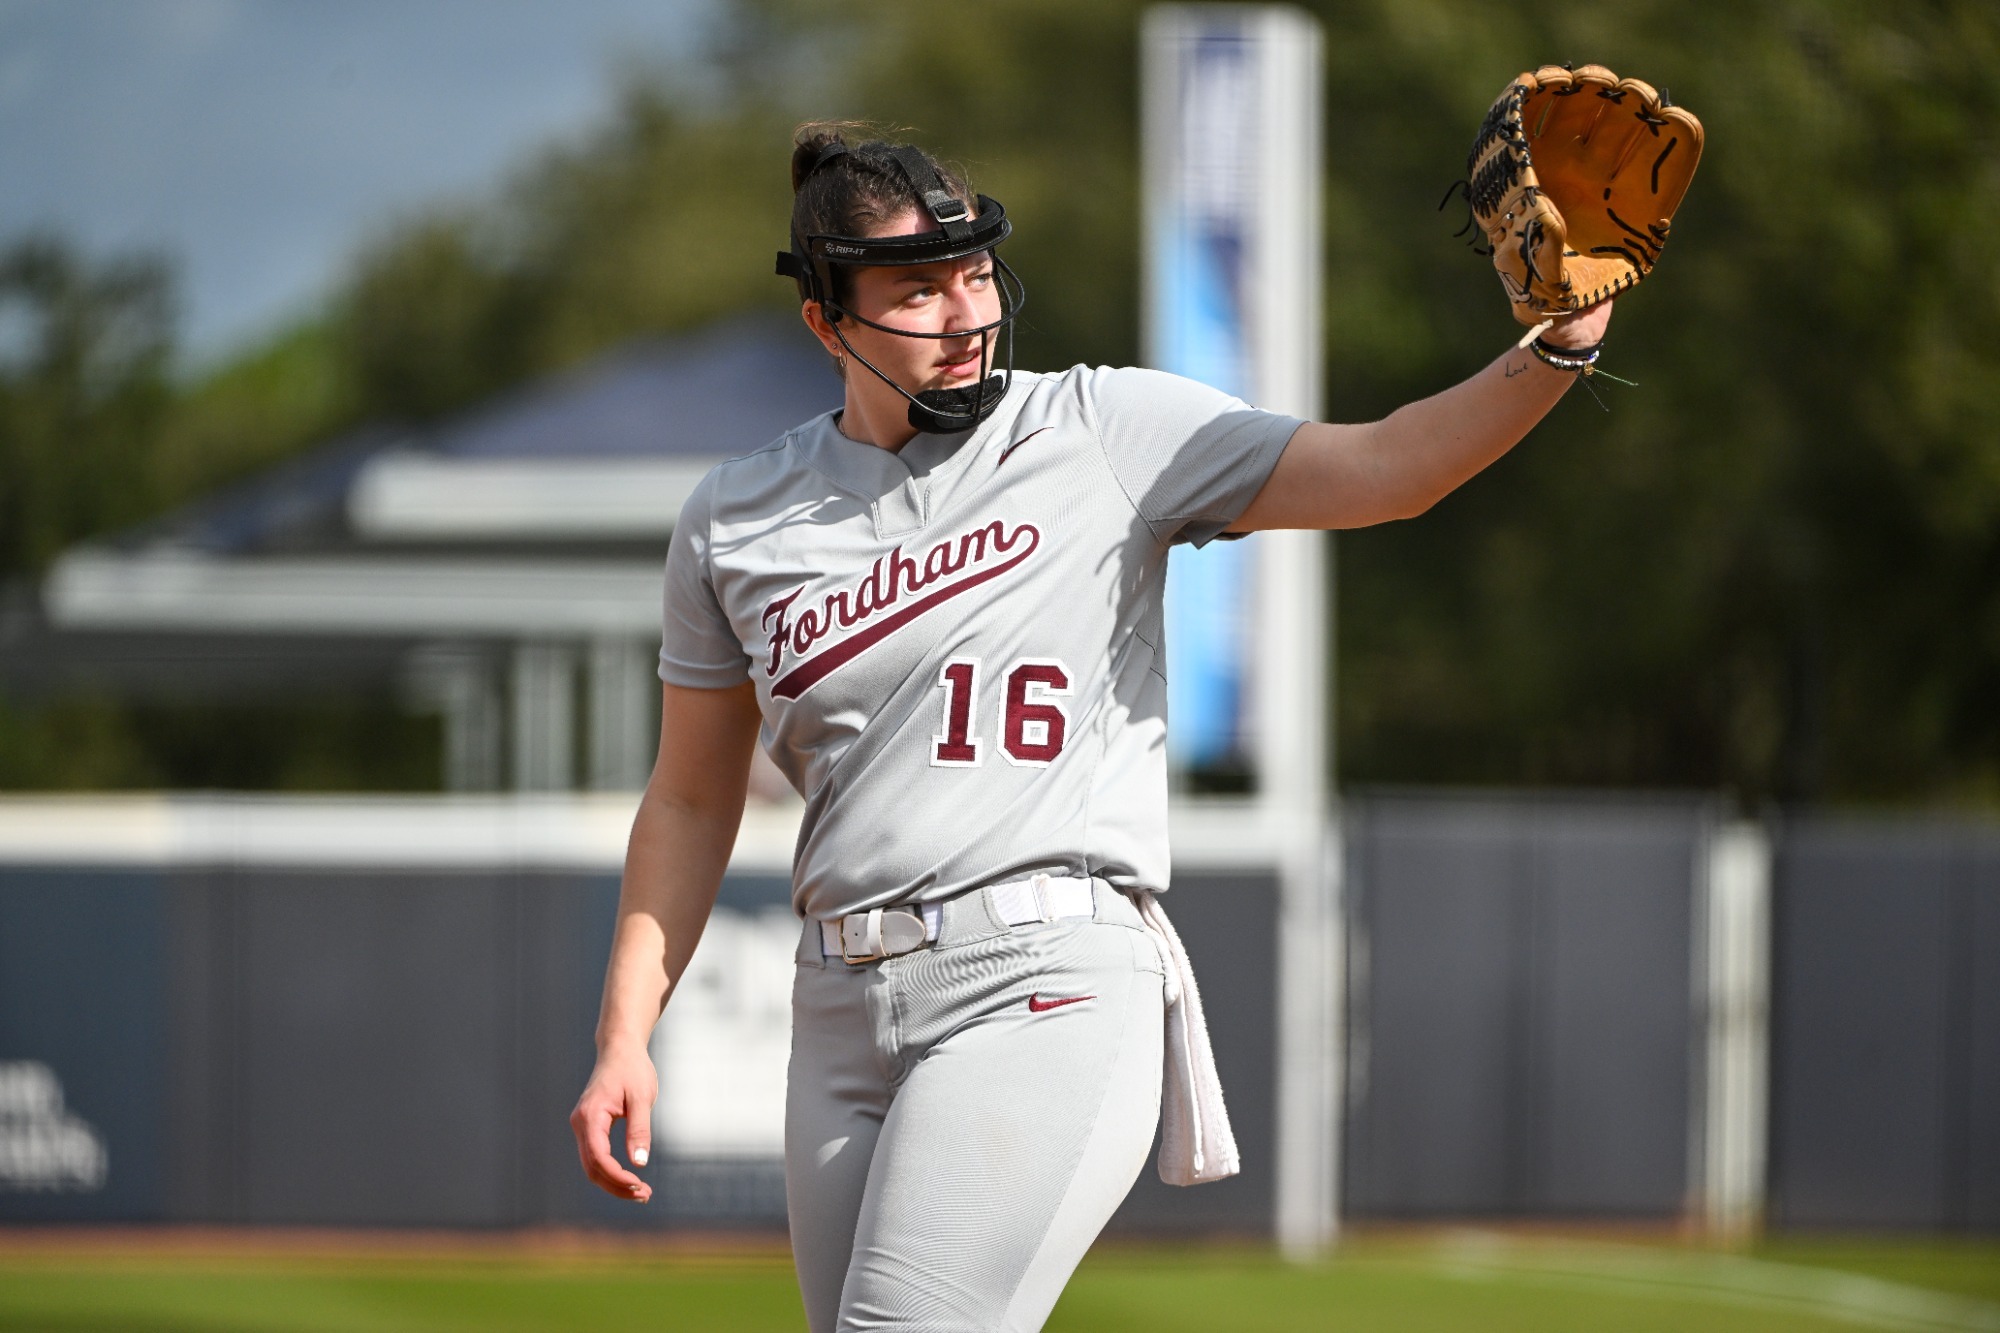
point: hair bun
(813, 147)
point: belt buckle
(880, 933)
(861, 937)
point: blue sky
(258, 143)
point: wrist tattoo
(1513, 370)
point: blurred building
(501, 569)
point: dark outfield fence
(1521, 1028)
(403, 1048)
(297, 1047)
(1885, 1013)
(1525, 1037)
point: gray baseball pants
(953, 1140)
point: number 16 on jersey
(1033, 724)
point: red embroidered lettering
(808, 629)
(955, 747)
(903, 573)
(869, 598)
(972, 546)
(782, 631)
(1033, 731)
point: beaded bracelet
(1576, 360)
(1570, 352)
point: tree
(1774, 568)
(83, 390)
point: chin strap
(943, 411)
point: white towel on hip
(1196, 1144)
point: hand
(622, 1085)
(1585, 328)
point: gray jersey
(958, 648)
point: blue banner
(1201, 329)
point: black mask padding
(946, 411)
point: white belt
(885, 932)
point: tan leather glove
(1575, 177)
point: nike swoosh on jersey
(1036, 1004)
(1008, 452)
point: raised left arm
(1333, 476)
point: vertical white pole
(1290, 660)
(1737, 1003)
(1278, 132)
(1292, 778)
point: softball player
(939, 611)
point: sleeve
(1190, 458)
(698, 646)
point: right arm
(680, 845)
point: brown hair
(855, 191)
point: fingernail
(639, 1156)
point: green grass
(1965, 1266)
(1490, 1282)
(1498, 1284)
